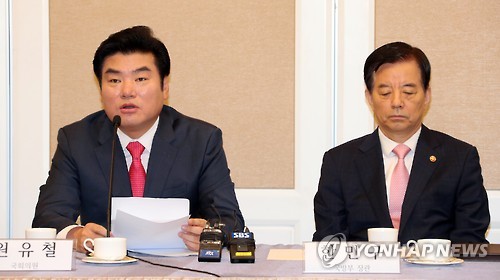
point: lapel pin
(432, 158)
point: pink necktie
(136, 173)
(399, 182)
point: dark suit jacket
(187, 161)
(444, 199)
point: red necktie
(399, 183)
(136, 173)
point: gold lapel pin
(432, 158)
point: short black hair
(396, 52)
(131, 40)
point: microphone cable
(216, 212)
(175, 267)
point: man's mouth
(398, 117)
(128, 106)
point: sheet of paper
(150, 223)
(153, 209)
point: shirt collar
(146, 139)
(388, 145)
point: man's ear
(428, 96)
(165, 88)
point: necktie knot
(135, 149)
(401, 150)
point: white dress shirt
(146, 140)
(391, 159)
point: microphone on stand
(116, 123)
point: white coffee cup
(434, 249)
(383, 235)
(40, 233)
(107, 248)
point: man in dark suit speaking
(177, 156)
(403, 175)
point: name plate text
(35, 254)
(351, 257)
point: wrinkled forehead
(399, 70)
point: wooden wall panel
(232, 65)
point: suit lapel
(422, 170)
(121, 182)
(371, 172)
(162, 157)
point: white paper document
(151, 225)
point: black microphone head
(117, 120)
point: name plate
(351, 257)
(36, 254)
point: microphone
(242, 247)
(116, 123)
(211, 240)
(241, 244)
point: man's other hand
(191, 232)
(79, 234)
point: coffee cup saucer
(92, 259)
(448, 261)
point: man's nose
(397, 100)
(128, 89)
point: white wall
(4, 119)
(355, 41)
(30, 109)
(493, 234)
